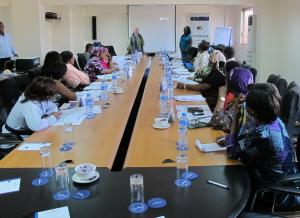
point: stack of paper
(97, 86)
(184, 79)
(108, 76)
(75, 115)
(181, 71)
(213, 147)
(189, 98)
(94, 94)
(184, 109)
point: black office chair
(288, 185)
(10, 140)
(13, 88)
(82, 61)
(76, 65)
(111, 50)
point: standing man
(136, 42)
(7, 51)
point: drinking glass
(137, 194)
(68, 135)
(47, 166)
(62, 180)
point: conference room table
(126, 123)
(149, 147)
(96, 140)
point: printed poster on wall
(199, 25)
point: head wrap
(239, 79)
(216, 57)
(98, 51)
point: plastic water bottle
(89, 103)
(183, 130)
(170, 89)
(164, 84)
(103, 95)
(114, 81)
(163, 105)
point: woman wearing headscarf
(209, 85)
(237, 88)
(99, 64)
(202, 59)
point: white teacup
(160, 121)
(85, 170)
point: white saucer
(155, 126)
(93, 178)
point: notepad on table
(212, 147)
(33, 146)
(184, 79)
(10, 185)
(61, 212)
(189, 98)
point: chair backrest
(111, 50)
(76, 65)
(273, 78)
(82, 61)
(13, 88)
(279, 82)
(3, 107)
(290, 111)
(291, 85)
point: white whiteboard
(156, 24)
(223, 36)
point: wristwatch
(221, 99)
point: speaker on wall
(94, 27)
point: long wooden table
(149, 147)
(97, 140)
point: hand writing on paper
(56, 114)
(180, 85)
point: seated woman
(73, 77)
(57, 71)
(202, 60)
(229, 53)
(209, 87)
(99, 64)
(266, 151)
(34, 110)
(50, 58)
(237, 84)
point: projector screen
(223, 36)
(156, 24)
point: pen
(218, 184)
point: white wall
(112, 25)
(288, 43)
(25, 27)
(277, 24)
(5, 17)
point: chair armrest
(284, 189)
(290, 178)
(8, 138)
